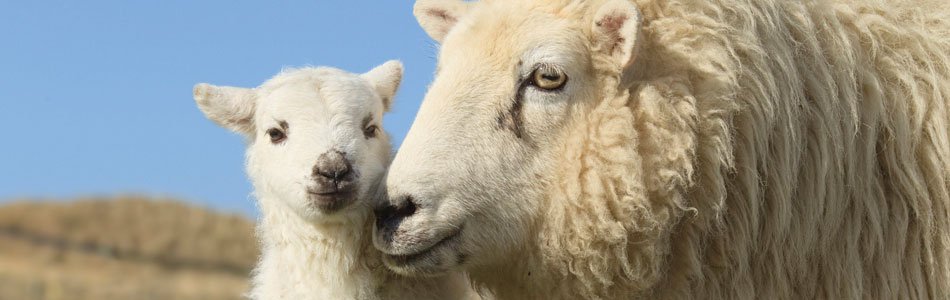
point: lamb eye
(371, 131)
(548, 78)
(276, 135)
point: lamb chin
(331, 203)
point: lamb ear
(437, 17)
(385, 80)
(616, 34)
(230, 107)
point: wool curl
(767, 149)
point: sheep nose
(334, 166)
(389, 216)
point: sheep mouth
(423, 255)
(331, 199)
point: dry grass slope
(128, 248)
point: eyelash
(371, 131)
(277, 136)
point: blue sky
(95, 96)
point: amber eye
(276, 135)
(547, 77)
(371, 131)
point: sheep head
(515, 79)
(314, 135)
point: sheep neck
(527, 268)
(326, 256)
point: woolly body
(724, 149)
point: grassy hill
(128, 248)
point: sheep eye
(549, 78)
(276, 135)
(371, 131)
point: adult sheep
(680, 149)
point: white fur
(309, 253)
(700, 149)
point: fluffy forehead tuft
(560, 8)
(331, 84)
(510, 32)
(535, 2)
(309, 75)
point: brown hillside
(129, 248)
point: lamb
(315, 155)
(671, 149)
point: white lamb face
(466, 185)
(315, 138)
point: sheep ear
(230, 107)
(616, 34)
(385, 80)
(437, 17)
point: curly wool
(768, 149)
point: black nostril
(388, 217)
(336, 173)
(334, 166)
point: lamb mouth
(333, 199)
(331, 192)
(408, 259)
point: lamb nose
(334, 166)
